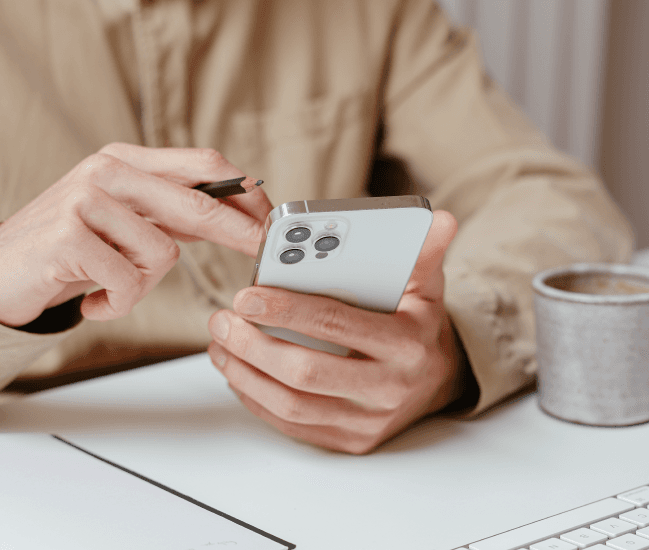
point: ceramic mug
(592, 332)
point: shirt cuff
(21, 346)
(56, 319)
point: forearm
(522, 206)
(534, 223)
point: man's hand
(404, 364)
(112, 221)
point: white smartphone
(360, 251)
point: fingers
(255, 203)
(147, 248)
(186, 166)
(120, 279)
(326, 421)
(189, 167)
(284, 401)
(175, 207)
(427, 279)
(330, 437)
(366, 382)
(378, 335)
(154, 189)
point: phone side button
(255, 275)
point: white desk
(438, 486)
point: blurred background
(580, 69)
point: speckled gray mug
(592, 332)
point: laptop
(56, 496)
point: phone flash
(331, 225)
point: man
(304, 95)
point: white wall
(549, 56)
(580, 69)
(624, 154)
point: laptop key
(553, 526)
(613, 527)
(637, 497)
(584, 537)
(628, 542)
(553, 544)
(643, 533)
(639, 516)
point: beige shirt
(305, 95)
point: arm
(521, 205)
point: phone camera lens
(326, 244)
(298, 234)
(292, 256)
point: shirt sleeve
(20, 347)
(522, 206)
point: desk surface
(441, 484)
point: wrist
(466, 391)
(459, 390)
(55, 319)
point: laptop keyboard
(620, 523)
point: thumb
(427, 278)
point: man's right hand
(112, 221)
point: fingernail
(221, 327)
(251, 304)
(220, 361)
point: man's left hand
(404, 364)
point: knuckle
(100, 162)
(80, 198)
(123, 307)
(393, 394)
(304, 375)
(254, 232)
(415, 354)
(201, 203)
(331, 321)
(133, 281)
(173, 252)
(212, 158)
(53, 273)
(360, 446)
(168, 255)
(290, 409)
(374, 424)
(114, 149)
(94, 169)
(393, 397)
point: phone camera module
(291, 256)
(298, 234)
(326, 244)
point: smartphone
(360, 251)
